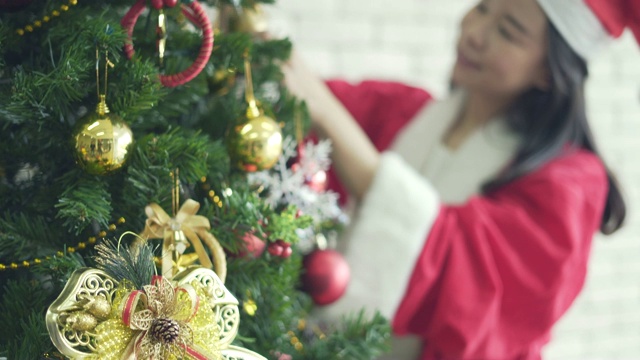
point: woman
(475, 222)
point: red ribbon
(130, 305)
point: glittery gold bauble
(255, 144)
(99, 307)
(80, 321)
(101, 141)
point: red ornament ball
(326, 276)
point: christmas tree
(182, 98)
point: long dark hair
(549, 120)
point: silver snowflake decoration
(290, 185)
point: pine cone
(165, 330)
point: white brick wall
(412, 41)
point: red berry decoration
(157, 4)
(275, 249)
(196, 14)
(326, 276)
(317, 181)
(286, 248)
(170, 3)
(286, 252)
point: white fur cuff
(387, 238)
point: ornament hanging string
(253, 111)
(107, 65)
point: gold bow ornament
(181, 231)
(165, 320)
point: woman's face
(502, 48)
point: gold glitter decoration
(113, 336)
(80, 321)
(196, 300)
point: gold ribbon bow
(159, 225)
(175, 308)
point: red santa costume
(496, 270)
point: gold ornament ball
(256, 144)
(249, 20)
(101, 142)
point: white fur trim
(579, 26)
(384, 245)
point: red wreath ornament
(192, 11)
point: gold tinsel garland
(45, 19)
(82, 245)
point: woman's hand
(354, 156)
(306, 85)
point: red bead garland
(193, 12)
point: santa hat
(588, 25)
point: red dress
(496, 272)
